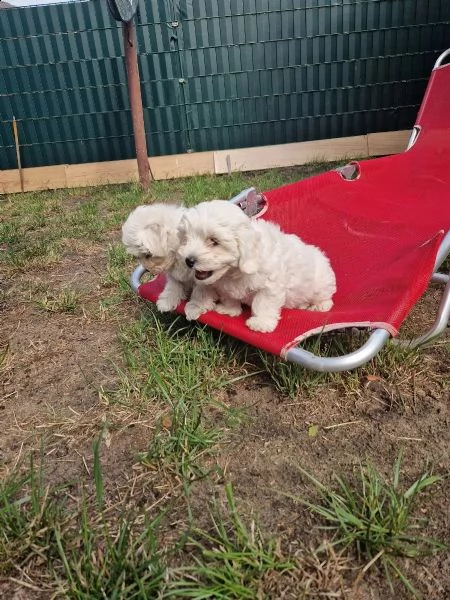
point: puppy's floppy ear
(182, 225)
(156, 227)
(248, 241)
(146, 236)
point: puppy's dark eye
(213, 242)
(148, 256)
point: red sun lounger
(385, 225)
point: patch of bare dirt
(55, 368)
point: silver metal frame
(136, 276)
(413, 137)
(441, 58)
(335, 364)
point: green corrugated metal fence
(225, 74)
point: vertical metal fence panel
(215, 75)
(62, 76)
(262, 73)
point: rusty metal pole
(137, 113)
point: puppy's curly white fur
(237, 260)
(151, 234)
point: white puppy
(151, 234)
(237, 260)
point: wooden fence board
(202, 163)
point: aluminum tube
(347, 362)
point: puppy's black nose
(190, 261)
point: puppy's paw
(263, 324)
(193, 311)
(167, 303)
(231, 309)
(322, 306)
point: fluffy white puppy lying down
(237, 260)
(151, 234)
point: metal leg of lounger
(440, 278)
(443, 316)
(335, 364)
(443, 252)
(136, 276)
(442, 319)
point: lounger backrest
(434, 112)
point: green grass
(168, 360)
(83, 551)
(288, 378)
(115, 561)
(377, 518)
(230, 560)
(182, 440)
(118, 266)
(193, 190)
(29, 513)
(90, 550)
(117, 262)
(180, 368)
(104, 558)
(66, 301)
(87, 547)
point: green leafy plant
(28, 515)
(65, 301)
(110, 560)
(377, 519)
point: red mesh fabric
(381, 232)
